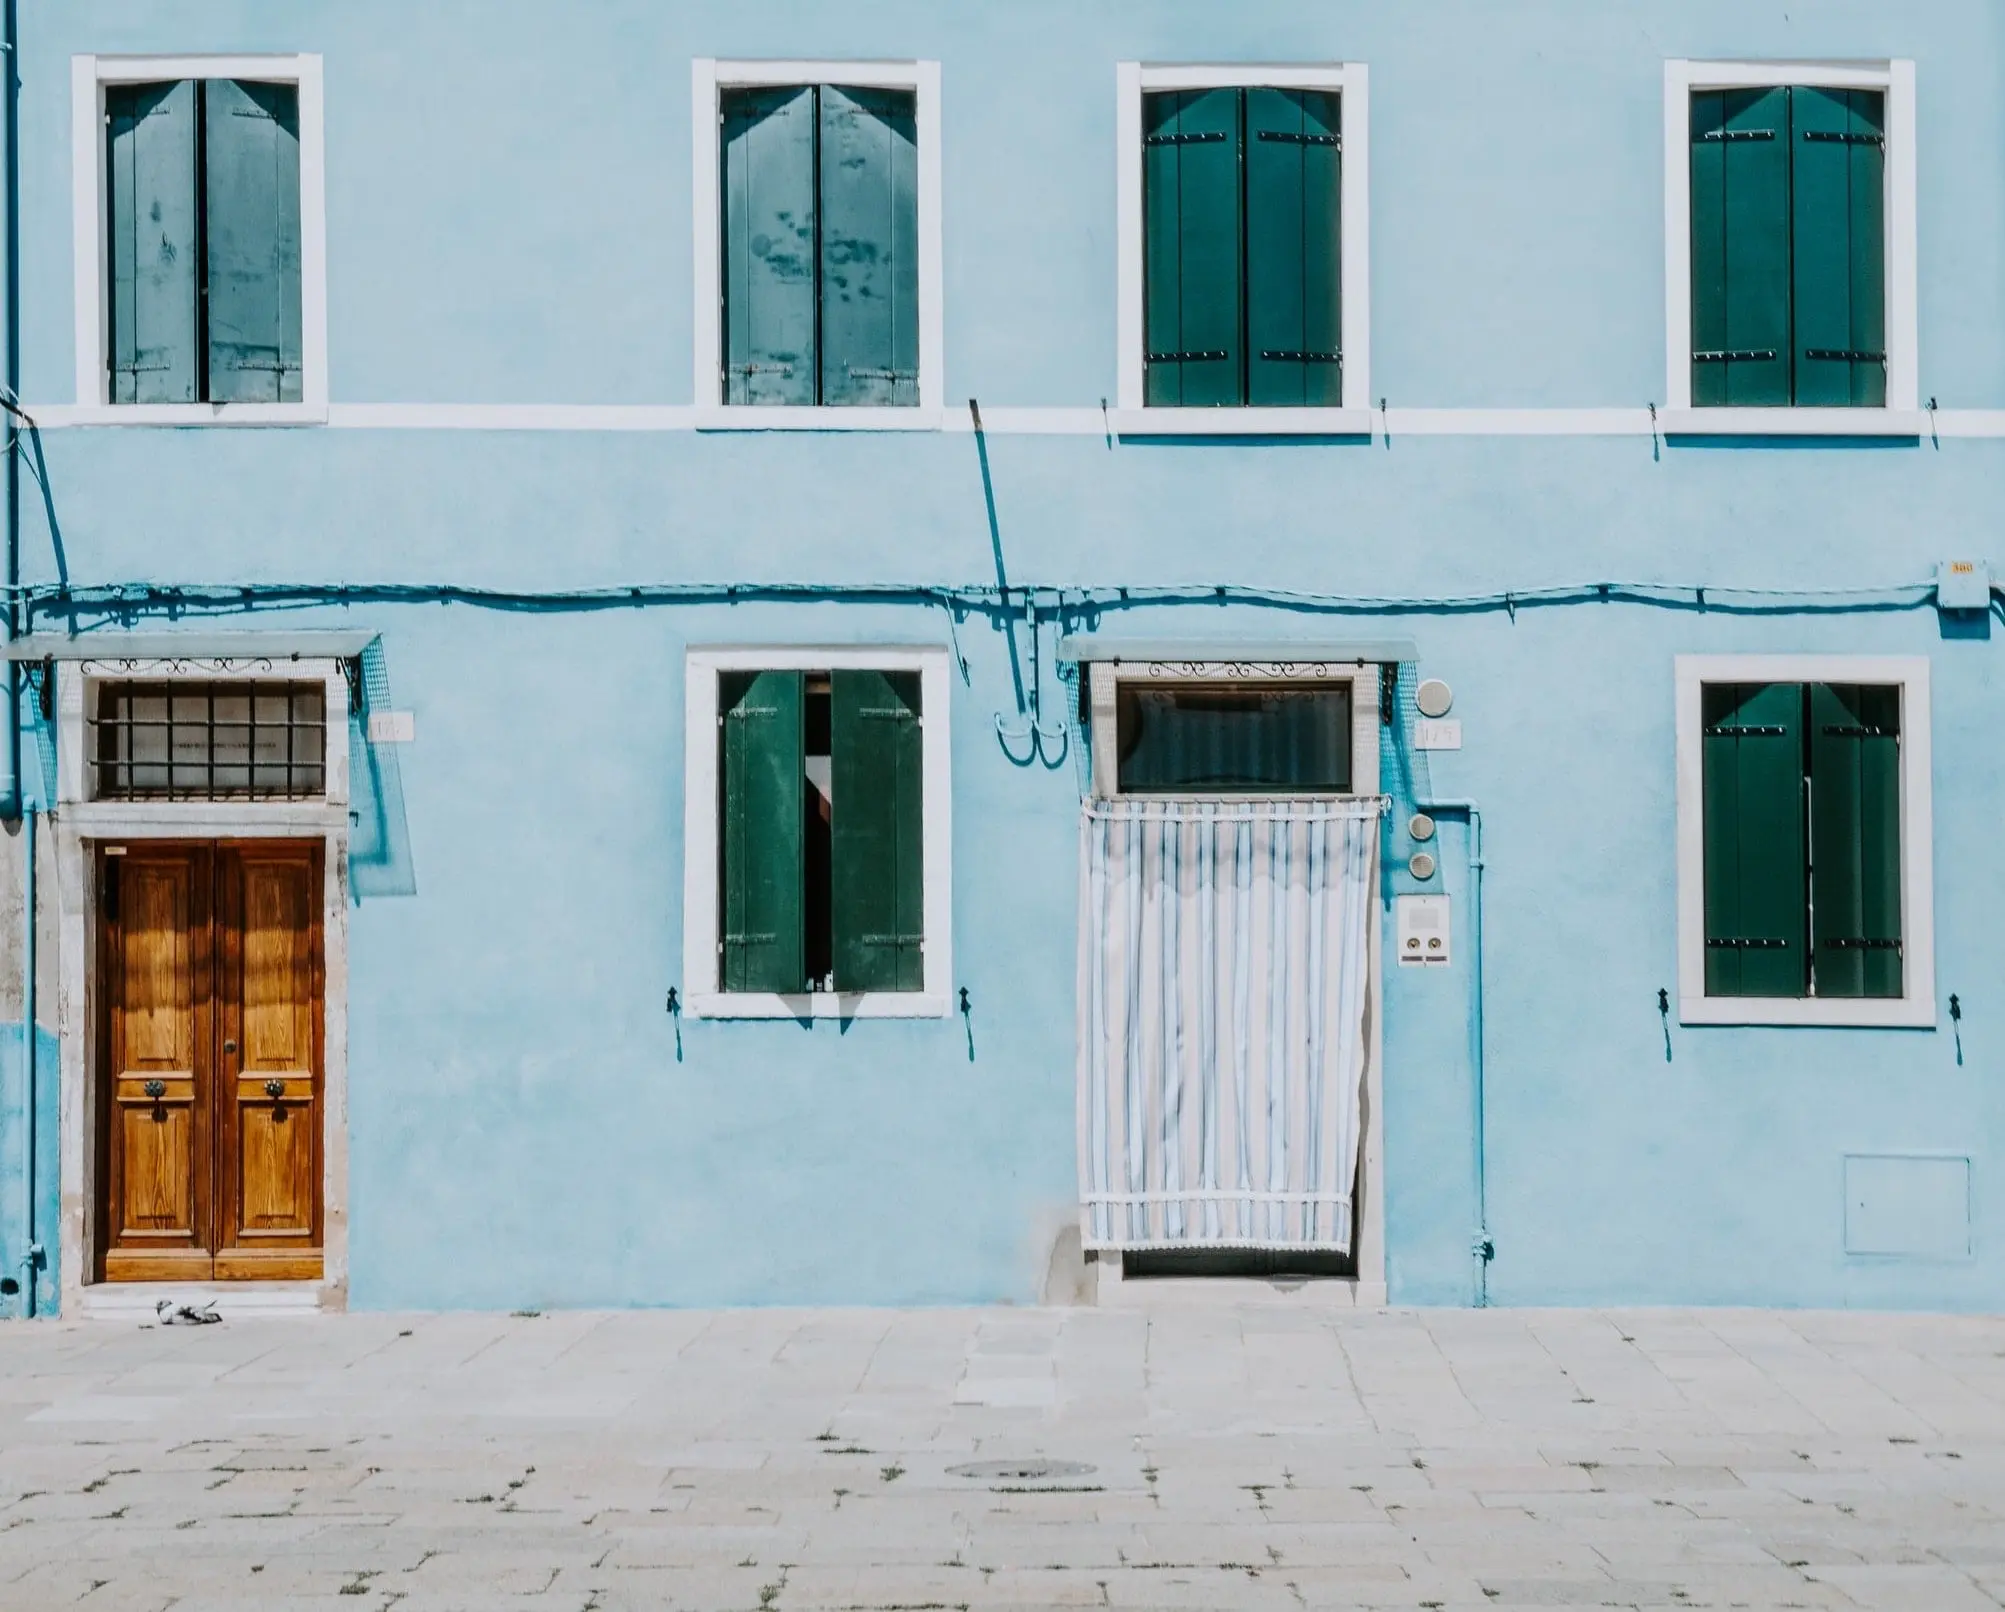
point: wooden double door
(212, 1029)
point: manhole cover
(1020, 1471)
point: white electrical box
(1420, 925)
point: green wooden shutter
(1855, 839)
(1740, 247)
(877, 876)
(1294, 324)
(1756, 893)
(151, 248)
(769, 245)
(1192, 237)
(762, 933)
(869, 247)
(1838, 178)
(251, 201)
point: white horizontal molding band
(999, 420)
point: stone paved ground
(1259, 1456)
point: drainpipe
(1482, 1248)
(12, 800)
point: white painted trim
(700, 847)
(1808, 422)
(88, 77)
(1243, 422)
(1897, 79)
(79, 827)
(1915, 1009)
(707, 77)
(1352, 81)
(1093, 421)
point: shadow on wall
(379, 847)
(13, 1199)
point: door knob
(229, 1046)
(156, 1089)
(274, 1088)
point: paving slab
(805, 1461)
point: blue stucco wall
(14, 1242)
(508, 221)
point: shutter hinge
(1844, 355)
(1744, 943)
(1845, 138)
(1735, 355)
(1860, 943)
(1184, 139)
(1299, 139)
(1841, 730)
(1282, 356)
(1738, 134)
(1764, 731)
(1207, 356)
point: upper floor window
(1242, 267)
(200, 281)
(1243, 261)
(1796, 225)
(1804, 785)
(818, 278)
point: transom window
(233, 740)
(1200, 738)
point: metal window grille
(210, 741)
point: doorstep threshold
(1204, 1292)
(140, 1301)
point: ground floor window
(1800, 780)
(816, 846)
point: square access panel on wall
(1907, 1205)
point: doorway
(211, 992)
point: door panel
(211, 969)
(268, 1001)
(156, 955)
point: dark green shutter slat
(1293, 280)
(769, 245)
(1756, 902)
(1740, 247)
(1855, 882)
(152, 245)
(869, 247)
(251, 194)
(762, 900)
(1193, 348)
(1838, 170)
(878, 853)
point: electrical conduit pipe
(1482, 1247)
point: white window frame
(1353, 417)
(708, 78)
(89, 75)
(1916, 1008)
(703, 998)
(1107, 676)
(1902, 415)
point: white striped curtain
(1222, 983)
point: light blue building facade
(1603, 464)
